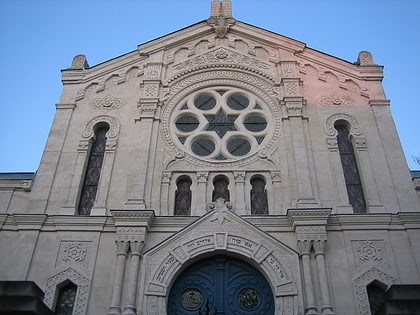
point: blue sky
(39, 38)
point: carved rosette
(336, 100)
(107, 103)
(368, 251)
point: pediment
(222, 231)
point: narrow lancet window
(220, 190)
(183, 197)
(66, 298)
(376, 296)
(259, 204)
(350, 169)
(93, 171)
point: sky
(39, 38)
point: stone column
(201, 195)
(319, 247)
(305, 254)
(277, 192)
(122, 248)
(164, 193)
(239, 192)
(293, 107)
(136, 248)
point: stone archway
(221, 232)
(220, 284)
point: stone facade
(280, 103)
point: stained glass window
(259, 204)
(350, 170)
(93, 171)
(183, 197)
(66, 299)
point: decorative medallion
(248, 299)
(192, 299)
(368, 251)
(107, 103)
(335, 100)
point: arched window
(350, 169)
(183, 196)
(376, 296)
(220, 190)
(66, 298)
(93, 171)
(259, 204)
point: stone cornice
(142, 218)
(271, 224)
(308, 217)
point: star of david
(221, 123)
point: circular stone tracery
(220, 124)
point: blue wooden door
(220, 285)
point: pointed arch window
(220, 190)
(350, 169)
(376, 295)
(66, 299)
(259, 203)
(93, 170)
(183, 196)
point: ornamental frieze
(221, 56)
(107, 103)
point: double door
(220, 285)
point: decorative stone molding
(368, 251)
(289, 69)
(355, 129)
(311, 233)
(152, 72)
(76, 253)
(79, 63)
(359, 287)
(198, 81)
(222, 56)
(239, 177)
(276, 176)
(202, 177)
(132, 225)
(114, 127)
(166, 177)
(69, 274)
(219, 230)
(221, 17)
(365, 58)
(107, 103)
(335, 100)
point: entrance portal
(220, 285)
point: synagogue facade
(220, 169)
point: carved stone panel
(75, 253)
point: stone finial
(221, 17)
(221, 8)
(79, 63)
(365, 59)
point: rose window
(221, 124)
